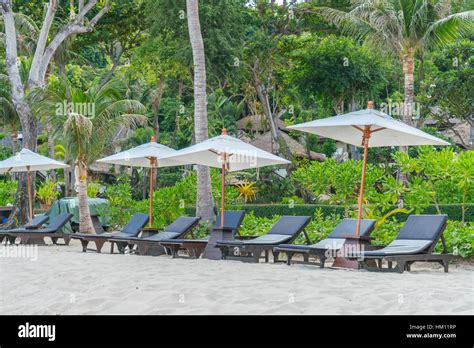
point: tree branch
(42, 40)
(74, 27)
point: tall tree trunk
(204, 204)
(408, 70)
(51, 149)
(262, 95)
(85, 221)
(14, 136)
(408, 64)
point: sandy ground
(63, 280)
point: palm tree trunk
(408, 70)
(51, 150)
(204, 202)
(85, 221)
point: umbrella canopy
(348, 128)
(368, 128)
(238, 154)
(141, 156)
(26, 160)
(229, 154)
(29, 161)
(150, 155)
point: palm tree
(406, 27)
(86, 126)
(204, 201)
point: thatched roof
(264, 142)
(254, 123)
(258, 123)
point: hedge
(267, 210)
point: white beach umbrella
(229, 154)
(29, 161)
(368, 128)
(150, 155)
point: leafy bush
(47, 192)
(459, 238)
(93, 189)
(7, 192)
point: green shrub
(93, 189)
(47, 192)
(459, 238)
(7, 192)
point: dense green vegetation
(130, 75)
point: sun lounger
(415, 243)
(149, 245)
(37, 222)
(286, 230)
(53, 230)
(132, 229)
(195, 247)
(328, 246)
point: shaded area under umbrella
(29, 161)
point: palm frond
(448, 29)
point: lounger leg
(390, 264)
(276, 254)
(11, 239)
(55, 240)
(445, 265)
(266, 256)
(401, 266)
(408, 267)
(288, 258)
(99, 244)
(67, 240)
(305, 257)
(322, 261)
(84, 245)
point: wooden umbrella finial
(224, 131)
(370, 104)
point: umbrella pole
(151, 196)
(30, 198)
(223, 189)
(365, 141)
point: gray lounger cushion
(132, 229)
(54, 226)
(156, 237)
(264, 240)
(232, 219)
(334, 241)
(37, 222)
(401, 247)
(284, 230)
(416, 236)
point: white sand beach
(63, 280)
